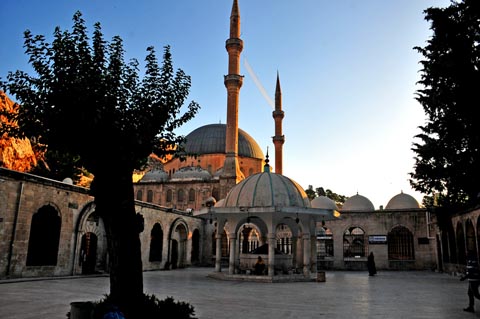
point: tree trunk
(114, 199)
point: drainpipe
(14, 230)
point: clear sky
(347, 69)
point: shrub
(151, 307)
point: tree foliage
(88, 105)
(447, 161)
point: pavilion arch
(91, 248)
(355, 243)
(177, 244)
(250, 236)
(470, 241)
(44, 237)
(400, 242)
(460, 236)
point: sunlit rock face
(16, 154)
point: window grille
(324, 243)
(354, 243)
(400, 244)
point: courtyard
(344, 294)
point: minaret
(278, 139)
(233, 83)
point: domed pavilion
(274, 213)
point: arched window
(156, 243)
(139, 195)
(44, 237)
(324, 243)
(191, 195)
(149, 196)
(169, 196)
(400, 244)
(180, 196)
(354, 243)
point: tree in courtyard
(447, 161)
(88, 105)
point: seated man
(259, 266)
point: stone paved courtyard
(345, 294)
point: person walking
(472, 273)
(372, 269)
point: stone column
(306, 254)
(218, 253)
(271, 253)
(233, 253)
(299, 252)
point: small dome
(323, 202)
(68, 181)
(358, 203)
(154, 175)
(265, 190)
(190, 173)
(402, 201)
(211, 139)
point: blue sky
(347, 69)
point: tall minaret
(233, 83)
(278, 139)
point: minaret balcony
(235, 43)
(233, 80)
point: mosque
(221, 208)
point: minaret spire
(233, 82)
(278, 139)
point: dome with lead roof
(154, 175)
(402, 201)
(211, 139)
(191, 173)
(323, 202)
(358, 203)
(267, 189)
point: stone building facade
(50, 228)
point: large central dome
(210, 139)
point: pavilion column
(299, 251)
(218, 253)
(233, 253)
(306, 254)
(271, 253)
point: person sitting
(259, 266)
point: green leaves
(448, 152)
(87, 101)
